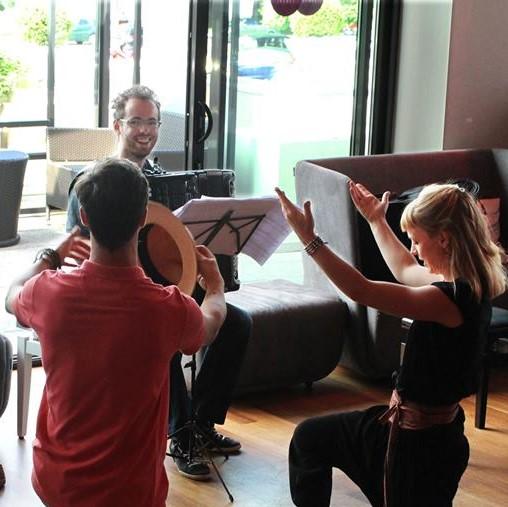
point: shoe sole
(197, 477)
(229, 450)
(194, 477)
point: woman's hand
(302, 222)
(367, 203)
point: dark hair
(135, 92)
(114, 196)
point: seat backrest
(5, 371)
(79, 144)
(171, 132)
(170, 146)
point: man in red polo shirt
(107, 333)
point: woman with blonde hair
(414, 451)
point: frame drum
(166, 249)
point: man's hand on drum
(209, 277)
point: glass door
(289, 88)
(74, 83)
(280, 89)
(163, 64)
(121, 59)
(47, 66)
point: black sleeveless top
(441, 364)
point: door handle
(204, 112)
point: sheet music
(254, 226)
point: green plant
(9, 72)
(281, 24)
(36, 27)
(328, 20)
(350, 13)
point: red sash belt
(410, 416)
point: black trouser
(217, 375)
(428, 464)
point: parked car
(261, 51)
(82, 31)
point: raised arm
(399, 259)
(418, 303)
(213, 306)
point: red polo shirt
(107, 336)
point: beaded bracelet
(312, 246)
(52, 257)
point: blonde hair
(474, 256)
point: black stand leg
(482, 393)
(196, 433)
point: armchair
(68, 151)
(372, 342)
(5, 384)
(29, 347)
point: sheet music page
(228, 225)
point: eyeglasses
(136, 123)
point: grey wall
(422, 75)
(477, 95)
(453, 75)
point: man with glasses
(136, 122)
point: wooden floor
(257, 477)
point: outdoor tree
(328, 20)
(36, 27)
(9, 73)
(281, 24)
(257, 11)
(350, 12)
(269, 17)
(5, 4)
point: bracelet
(52, 257)
(313, 246)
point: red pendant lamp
(286, 7)
(309, 7)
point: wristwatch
(50, 256)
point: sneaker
(192, 468)
(215, 442)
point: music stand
(228, 226)
(228, 220)
(196, 433)
(254, 226)
(215, 227)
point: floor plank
(257, 477)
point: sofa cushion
(297, 333)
